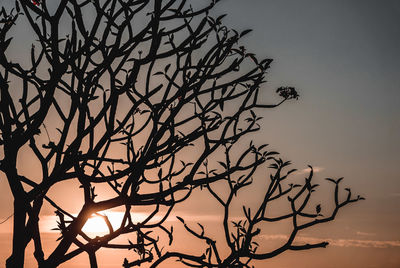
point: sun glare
(97, 225)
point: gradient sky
(343, 56)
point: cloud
(307, 170)
(365, 234)
(275, 237)
(364, 243)
(339, 242)
(49, 222)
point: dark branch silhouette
(140, 97)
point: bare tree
(140, 98)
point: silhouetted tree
(140, 96)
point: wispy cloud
(316, 169)
(339, 242)
(365, 234)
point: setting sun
(96, 225)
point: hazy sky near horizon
(343, 56)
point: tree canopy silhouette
(153, 100)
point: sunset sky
(343, 56)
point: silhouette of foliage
(139, 97)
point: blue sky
(343, 56)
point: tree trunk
(93, 259)
(16, 260)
